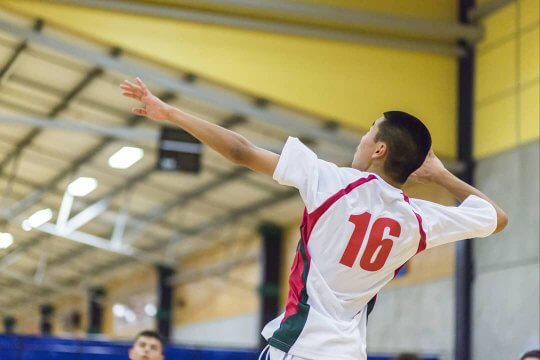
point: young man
(358, 227)
(148, 345)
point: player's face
(146, 348)
(363, 156)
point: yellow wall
(140, 279)
(347, 82)
(65, 306)
(214, 297)
(507, 79)
(29, 318)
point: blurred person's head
(148, 345)
(407, 356)
(396, 144)
(531, 355)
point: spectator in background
(148, 345)
(407, 356)
(531, 355)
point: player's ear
(380, 150)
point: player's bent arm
(234, 147)
(461, 190)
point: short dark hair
(532, 354)
(150, 334)
(407, 356)
(408, 142)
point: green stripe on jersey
(289, 331)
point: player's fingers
(132, 89)
(131, 95)
(141, 84)
(126, 86)
(139, 111)
(130, 84)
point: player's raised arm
(434, 171)
(231, 145)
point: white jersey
(357, 232)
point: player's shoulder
(350, 176)
(423, 204)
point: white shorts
(276, 354)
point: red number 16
(375, 242)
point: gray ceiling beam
(126, 133)
(26, 82)
(8, 67)
(37, 194)
(215, 269)
(249, 210)
(88, 78)
(56, 288)
(105, 244)
(295, 125)
(141, 222)
(376, 21)
(487, 8)
(311, 31)
(164, 243)
(160, 211)
(234, 216)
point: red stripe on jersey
(295, 287)
(314, 216)
(309, 220)
(422, 245)
(296, 280)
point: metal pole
(165, 302)
(464, 251)
(95, 310)
(272, 243)
(46, 320)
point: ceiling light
(82, 186)
(130, 316)
(26, 225)
(119, 310)
(39, 218)
(6, 239)
(125, 157)
(150, 310)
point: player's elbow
(502, 221)
(240, 152)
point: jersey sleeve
(315, 179)
(473, 218)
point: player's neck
(378, 170)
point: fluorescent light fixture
(150, 310)
(82, 186)
(119, 310)
(130, 316)
(6, 239)
(39, 218)
(125, 157)
(26, 225)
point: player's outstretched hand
(431, 169)
(153, 108)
